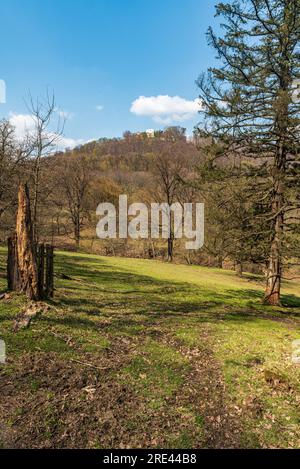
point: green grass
(149, 326)
(156, 372)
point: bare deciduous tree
(75, 177)
(13, 154)
(169, 169)
(43, 140)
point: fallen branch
(90, 365)
(67, 340)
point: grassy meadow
(136, 353)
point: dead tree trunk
(28, 281)
(26, 260)
(12, 264)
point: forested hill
(66, 188)
(134, 151)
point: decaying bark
(26, 260)
(28, 281)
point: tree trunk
(35, 198)
(170, 249)
(272, 294)
(28, 276)
(274, 272)
(153, 249)
(239, 268)
(77, 233)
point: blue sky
(106, 54)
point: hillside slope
(136, 353)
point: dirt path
(205, 390)
(51, 401)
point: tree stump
(28, 276)
(26, 260)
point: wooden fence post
(49, 286)
(41, 269)
(12, 264)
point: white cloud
(65, 142)
(99, 107)
(24, 125)
(165, 109)
(63, 114)
(2, 92)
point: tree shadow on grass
(70, 321)
(288, 300)
(97, 290)
(78, 319)
(291, 301)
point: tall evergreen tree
(251, 102)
